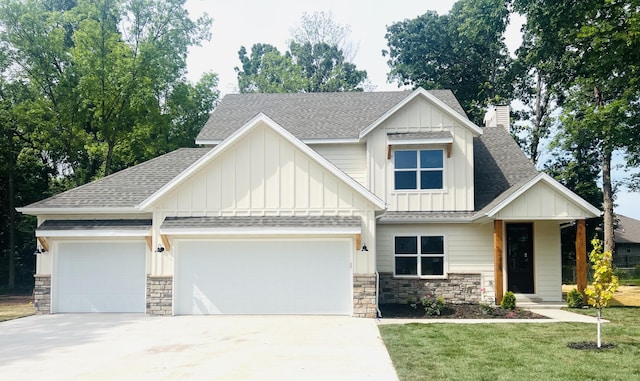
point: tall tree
(314, 62)
(593, 48)
(88, 88)
(463, 50)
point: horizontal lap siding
(349, 158)
(469, 247)
(548, 261)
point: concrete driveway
(139, 347)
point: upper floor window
(419, 169)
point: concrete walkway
(554, 316)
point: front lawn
(15, 306)
(521, 351)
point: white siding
(350, 158)
(541, 201)
(548, 261)
(421, 116)
(264, 174)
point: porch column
(497, 260)
(581, 256)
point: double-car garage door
(251, 276)
(302, 276)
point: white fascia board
(252, 230)
(554, 184)
(432, 98)
(238, 134)
(92, 233)
(409, 142)
(208, 142)
(450, 220)
(97, 211)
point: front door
(520, 258)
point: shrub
(574, 299)
(508, 301)
(433, 306)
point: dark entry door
(520, 258)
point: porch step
(541, 305)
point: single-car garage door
(99, 276)
(264, 277)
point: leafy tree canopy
(463, 50)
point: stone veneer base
(364, 295)
(160, 295)
(456, 288)
(42, 294)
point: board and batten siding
(541, 201)
(263, 174)
(421, 116)
(349, 158)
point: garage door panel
(100, 277)
(264, 277)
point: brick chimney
(498, 116)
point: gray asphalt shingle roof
(310, 115)
(128, 187)
(56, 225)
(261, 221)
(628, 230)
(500, 165)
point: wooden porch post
(581, 256)
(497, 260)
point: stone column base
(159, 295)
(42, 294)
(364, 295)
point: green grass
(515, 351)
(630, 282)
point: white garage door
(99, 277)
(264, 277)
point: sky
(246, 22)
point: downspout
(377, 295)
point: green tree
(463, 50)
(89, 88)
(314, 62)
(593, 48)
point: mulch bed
(454, 311)
(590, 345)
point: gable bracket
(149, 242)
(449, 146)
(43, 243)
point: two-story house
(322, 203)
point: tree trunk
(599, 330)
(12, 226)
(109, 159)
(607, 202)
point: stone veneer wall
(456, 288)
(159, 295)
(364, 295)
(42, 294)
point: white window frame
(419, 256)
(419, 170)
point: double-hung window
(421, 256)
(419, 169)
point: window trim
(419, 255)
(418, 171)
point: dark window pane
(406, 245)
(431, 266)
(406, 266)
(432, 245)
(405, 180)
(431, 180)
(406, 159)
(431, 159)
